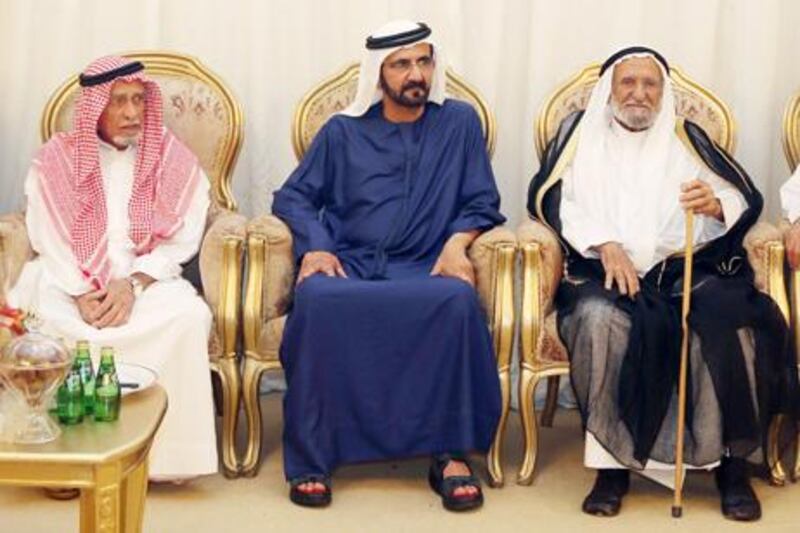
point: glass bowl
(32, 366)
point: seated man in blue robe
(386, 350)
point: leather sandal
(310, 499)
(446, 486)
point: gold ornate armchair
(791, 147)
(203, 113)
(791, 131)
(270, 276)
(542, 353)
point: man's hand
(88, 303)
(698, 196)
(792, 244)
(116, 306)
(324, 262)
(453, 261)
(619, 268)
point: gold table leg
(134, 493)
(107, 462)
(100, 506)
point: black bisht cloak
(650, 368)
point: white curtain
(270, 52)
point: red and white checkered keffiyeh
(165, 176)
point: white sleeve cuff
(732, 207)
(156, 265)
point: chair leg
(527, 410)
(253, 370)
(494, 458)
(551, 402)
(777, 473)
(230, 382)
(796, 473)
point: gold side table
(106, 461)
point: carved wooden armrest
(270, 277)
(483, 255)
(542, 268)
(221, 273)
(493, 255)
(765, 252)
(535, 238)
(15, 249)
(793, 288)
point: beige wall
(516, 51)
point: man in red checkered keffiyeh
(165, 173)
(115, 207)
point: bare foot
(312, 487)
(459, 468)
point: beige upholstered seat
(270, 278)
(203, 113)
(542, 353)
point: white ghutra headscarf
(624, 186)
(383, 42)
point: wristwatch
(136, 285)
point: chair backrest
(198, 108)
(692, 101)
(791, 132)
(335, 93)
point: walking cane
(677, 508)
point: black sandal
(446, 486)
(310, 499)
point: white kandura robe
(629, 200)
(790, 197)
(169, 324)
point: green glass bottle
(69, 398)
(84, 360)
(107, 391)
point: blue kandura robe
(390, 362)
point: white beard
(126, 140)
(634, 118)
